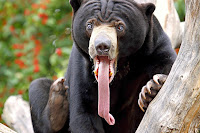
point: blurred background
(35, 41)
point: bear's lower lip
(97, 61)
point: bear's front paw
(58, 104)
(150, 90)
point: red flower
(177, 50)
(35, 6)
(54, 77)
(26, 12)
(35, 61)
(44, 21)
(20, 63)
(39, 34)
(43, 6)
(44, 17)
(59, 51)
(19, 54)
(23, 31)
(71, 14)
(4, 22)
(20, 92)
(12, 90)
(1, 105)
(30, 78)
(37, 42)
(47, 1)
(15, 6)
(17, 46)
(32, 37)
(37, 50)
(36, 68)
(37, 47)
(12, 28)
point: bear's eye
(120, 27)
(89, 26)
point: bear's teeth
(110, 74)
(96, 72)
(111, 70)
(96, 61)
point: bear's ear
(148, 8)
(75, 4)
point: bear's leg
(150, 90)
(49, 105)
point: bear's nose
(102, 45)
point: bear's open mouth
(98, 60)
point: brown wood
(176, 107)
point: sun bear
(120, 58)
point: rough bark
(16, 114)
(168, 18)
(176, 108)
(4, 129)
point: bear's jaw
(97, 61)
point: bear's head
(108, 30)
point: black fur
(144, 50)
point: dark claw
(57, 85)
(62, 80)
(150, 90)
(160, 78)
(140, 103)
(66, 87)
(155, 79)
(144, 91)
(149, 85)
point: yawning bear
(120, 57)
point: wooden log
(16, 114)
(168, 18)
(176, 107)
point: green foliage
(35, 42)
(180, 7)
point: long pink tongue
(104, 91)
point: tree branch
(178, 102)
(4, 129)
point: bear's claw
(58, 84)
(150, 90)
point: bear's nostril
(103, 48)
(102, 45)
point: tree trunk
(168, 18)
(16, 114)
(176, 108)
(4, 129)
